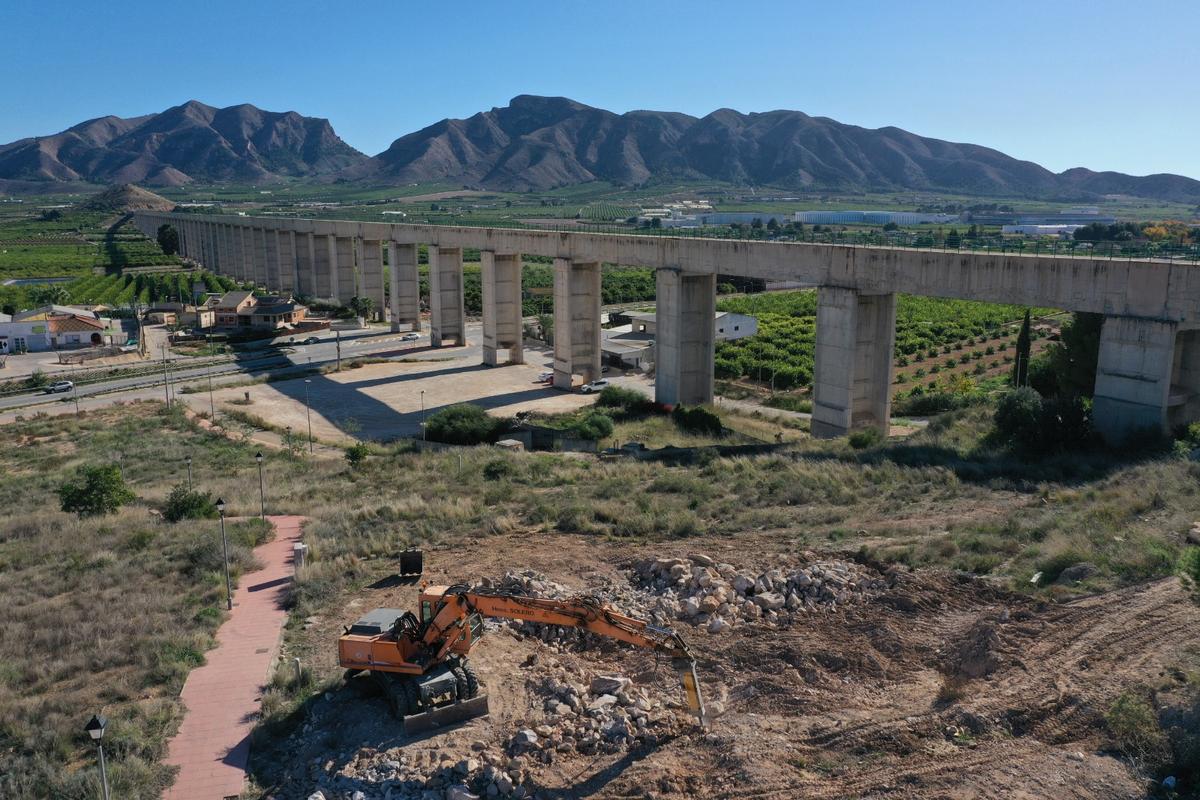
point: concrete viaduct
(1149, 365)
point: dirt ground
(940, 686)
(383, 402)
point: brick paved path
(222, 697)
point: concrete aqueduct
(1149, 366)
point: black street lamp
(289, 438)
(262, 489)
(423, 437)
(308, 413)
(189, 466)
(95, 729)
(225, 549)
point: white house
(632, 345)
(53, 328)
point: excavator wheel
(398, 698)
(472, 680)
(460, 680)
(413, 695)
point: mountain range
(539, 143)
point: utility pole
(166, 378)
(338, 337)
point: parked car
(594, 386)
(59, 386)
(410, 337)
(311, 340)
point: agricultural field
(781, 353)
(121, 290)
(70, 243)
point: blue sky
(1102, 84)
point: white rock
(527, 737)
(460, 792)
(317, 795)
(718, 625)
(768, 600)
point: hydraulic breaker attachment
(691, 689)
(412, 563)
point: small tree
(595, 426)
(697, 419)
(361, 306)
(52, 294)
(1021, 367)
(183, 503)
(1018, 417)
(96, 491)
(168, 239)
(357, 453)
(463, 424)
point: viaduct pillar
(683, 339)
(260, 257)
(447, 318)
(324, 274)
(856, 334)
(222, 261)
(370, 270)
(1147, 378)
(286, 254)
(576, 321)
(271, 239)
(304, 264)
(246, 238)
(405, 286)
(501, 291)
(343, 263)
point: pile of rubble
(607, 715)
(700, 591)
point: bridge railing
(938, 239)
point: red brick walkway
(222, 697)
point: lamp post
(423, 437)
(308, 413)
(95, 729)
(225, 550)
(189, 466)
(262, 490)
(289, 438)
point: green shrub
(357, 453)
(595, 425)
(1134, 726)
(629, 401)
(922, 403)
(497, 469)
(97, 490)
(1018, 417)
(183, 503)
(38, 379)
(464, 424)
(864, 438)
(697, 419)
(1189, 565)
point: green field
(781, 352)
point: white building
(871, 218)
(632, 345)
(1041, 230)
(54, 328)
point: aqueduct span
(1148, 374)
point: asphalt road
(259, 363)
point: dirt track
(869, 700)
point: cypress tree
(1021, 367)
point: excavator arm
(458, 604)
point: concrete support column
(220, 259)
(247, 239)
(271, 240)
(324, 271)
(447, 318)
(576, 321)
(285, 243)
(260, 257)
(370, 272)
(343, 259)
(304, 264)
(856, 335)
(405, 285)
(1133, 377)
(501, 290)
(683, 340)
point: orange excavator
(421, 663)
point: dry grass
(106, 614)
